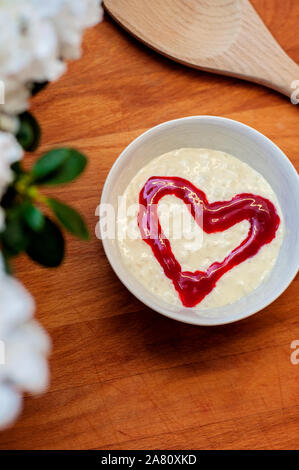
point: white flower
(24, 347)
(71, 22)
(10, 152)
(35, 37)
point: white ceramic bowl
(249, 146)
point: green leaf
(34, 218)
(46, 247)
(58, 166)
(69, 218)
(49, 163)
(14, 237)
(29, 133)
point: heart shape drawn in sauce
(218, 216)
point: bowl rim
(200, 321)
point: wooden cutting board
(124, 377)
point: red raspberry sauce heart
(218, 216)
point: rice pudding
(225, 251)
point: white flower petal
(10, 152)
(32, 336)
(2, 219)
(28, 370)
(10, 405)
(16, 305)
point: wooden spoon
(221, 36)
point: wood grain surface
(123, 376)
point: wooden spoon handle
(284, 74)
(263, 59)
